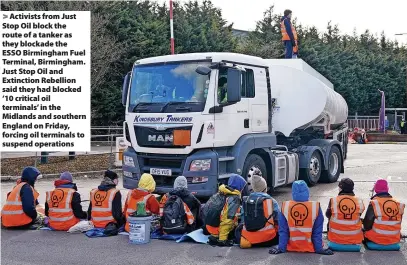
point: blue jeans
(289, 50)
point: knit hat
(300, 191)
(381, 186)
(258, 183)
(180, 183)
(147, 182)
(347, 185)
(111, 174)
(66, 176)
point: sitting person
(382, 222)
(19, 211)
(300, 224)
(345, 226)
(105, 205)
(63, 204)
(146, 186)
(260, 216)
(179, 217)
(221, 212)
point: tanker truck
(207, 116)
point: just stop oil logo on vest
(99, 197)
(56, 197)
(391, 209)
(347, 207)
(299, 212)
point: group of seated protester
(227, 218)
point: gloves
(275, 251)
(325, 252)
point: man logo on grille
(99, 197)
(299, 213)
(347, 207)
(391, 209)
(56, 197)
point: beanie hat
(300, 191)
(347, 185)
(111, 174)
(147, 182)
(381, 186)
(66, 176)
(180, 183)
(258, 183)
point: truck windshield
(173, 87)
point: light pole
(172, 28)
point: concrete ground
(364, 165)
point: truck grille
(150, 137)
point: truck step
(226, 158)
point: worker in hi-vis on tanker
(289, 35)
(300, 224)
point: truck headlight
(199, 179)
(200, 165)
(127, 174)
(128, 161)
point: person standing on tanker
(343, 213)
(289, 35)
(300, 224)
(382, 222)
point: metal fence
(105, 135)
(363, 122)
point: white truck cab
(209, 115)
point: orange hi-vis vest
(60, 212)
(102, 207)
(300, 219)
(132, 206)
(345, 225)
(387, 224)
(285, 35)
(188, 214)
(12, 212)
(268, 232)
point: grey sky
(389, 16)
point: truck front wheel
(334, 166)
(252, 164)
(312, 174)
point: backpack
(213, 209)
(173, 220)
(253, 209)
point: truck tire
(334, 166)
(252, 163)
(345, 148)
(312, 174)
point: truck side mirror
(125, 89)
(234, 86)
(203, 70)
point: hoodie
(76, 199)
(152, 204)
(300, 193)
(117, 213)
(29, 176)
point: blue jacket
(300, 193)
(287, 24)
(29, 176)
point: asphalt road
(365, 164)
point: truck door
(257, 93)
(234, 120)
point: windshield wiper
(164, 107)
(138, 105)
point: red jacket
(152, 204)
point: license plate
(160, 171)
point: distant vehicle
(278, 116)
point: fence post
(35, 160)
(44, 157)
(71, 155)
(111, 151)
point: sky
(389, 16)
